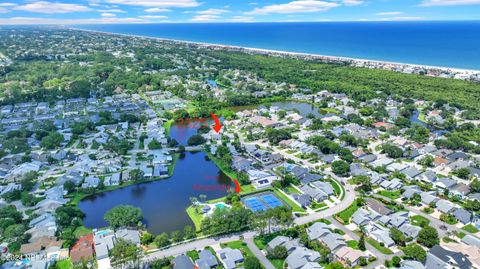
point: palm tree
(193, 200)
(203, 197)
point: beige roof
(472, 252)
(350, 254)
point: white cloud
(242, 19)
(389, 13)
(403, 18)
(156, 3)
(156, 9)
(36, 21)
(213, 11)
(108, 15)
(52, 7)
(352, 2)
(153, 17)
(299, 6)
(205, 18)
(431, 3)
(113, 10)
(7, 4)
(3, 10)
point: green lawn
(418, 220)
(81, 231)
(277, 263)
(316, 205)
(167, 125)
(346, 214)
(193, 254)
(470, 228)
(353, 244)
(390, 194)
(292, 190)
(293, 205)
(241, 246)
(337, 188)
(196, 218)
(65, 264)
(377, 245)
(261, 241)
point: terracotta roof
(83, 248)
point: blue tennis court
(262, 202)
(271, 201)
(254, 204)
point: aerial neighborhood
(111, 161)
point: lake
(163, 202)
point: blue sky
(200, 11)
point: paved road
(258, 253)
(198, 244)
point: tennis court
(262, 202)
(271, 201)
(254, 204)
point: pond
(414, 119)
(303, 108)
(163, 202)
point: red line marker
(217, 126)
(237, 186)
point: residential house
(230, 257)
(441, 258)
(300, 257)
(349, 256)
(182, 262)
(206, 260)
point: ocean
(447, 44)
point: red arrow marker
(237, 186)
(217, 126)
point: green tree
(52, 140)
(414, 252)
(278, 252)
(428, 236)
(252, 263)
(123, 216)
(162, 240)
(397, 236)
(124, 253)
(189, 232)
(195, 140)
(340, 168)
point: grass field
(470, 228)
(418, 220)
(293, 205)
(377, 245)
(390, 194)
(81, 231)
(353, 244)
(346, 214)
(65, 264)
(196, 218)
